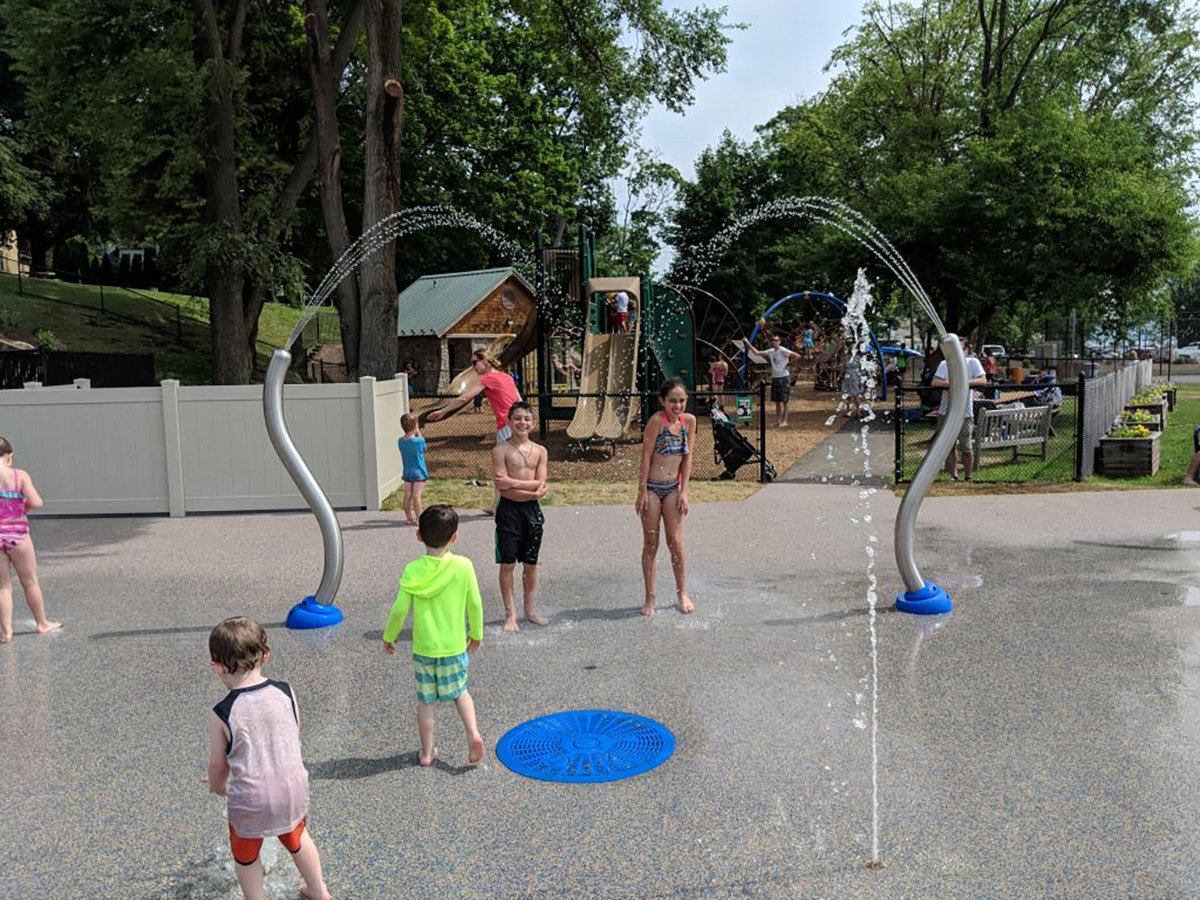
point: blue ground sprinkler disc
(583, 746)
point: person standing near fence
(718, 371)
(17, 497)
(976, 377)
(501, 392)
(781, 377)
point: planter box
(1152, 425)
(1130, 457)
(1171, 398)
(1158, 408)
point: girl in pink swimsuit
(17, 497)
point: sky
(777, 60)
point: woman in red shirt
(501, 393)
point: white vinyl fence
(177, 450)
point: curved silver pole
(331, 533)
(947, 434)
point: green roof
(431, 305)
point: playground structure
(617, 366)
(830, 363)
(670, 332)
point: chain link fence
(460, 447)
(1103, 400)
(1020, 432)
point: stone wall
(426, 351)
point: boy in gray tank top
(254, 759)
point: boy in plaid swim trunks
(441, 589)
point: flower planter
(1130, 457)
(1154, 425)
(1171, 398)
(1157, 408)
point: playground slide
(592, 380)
(508, 348)
(622, 378)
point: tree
(201, 133)
(1027, 157)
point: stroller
(731, 447)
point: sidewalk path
(839, 459)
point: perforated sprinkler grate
(583, 746)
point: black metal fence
(55, 367)
(1019, 432)
(460, 446)
(180, 323)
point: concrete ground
(1039, 741)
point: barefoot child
(441, 588)
(519, 469)
(17, 497)
(663, 487)
(254, 759)
(412, 451)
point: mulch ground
(458, 447)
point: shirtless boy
(519, 470)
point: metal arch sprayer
(318, 610)
(924, 597)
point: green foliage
(1134, 431)
(45, 339)
(517, 111)
(1024, 174)
(1137, 415)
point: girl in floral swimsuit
(663, 487)
(17, 497)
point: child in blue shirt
(412, 451)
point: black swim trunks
(518, 531)
(781, 390)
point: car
(1190, 353)
(996, 350)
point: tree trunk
(381, 197)
(329, 156)
(224, 277)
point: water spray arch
(318, 610)
(836, 302)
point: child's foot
(475, 750)
(310, 894)
(488, 512)
(648, 607)
(426, 762)
(48, 626)
(531, 616)
(685, 604)
(510, 624)
(6, 637)
(411, 522)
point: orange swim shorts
(246, 850)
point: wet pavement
(1039, 741)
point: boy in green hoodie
(440, 587)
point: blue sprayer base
(931, 600)
(310, 614)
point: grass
(123, 321)
(998, 467)
(470, 495)
(1175, 446)
(157, 308)
(91, 330)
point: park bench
(1000, 429)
